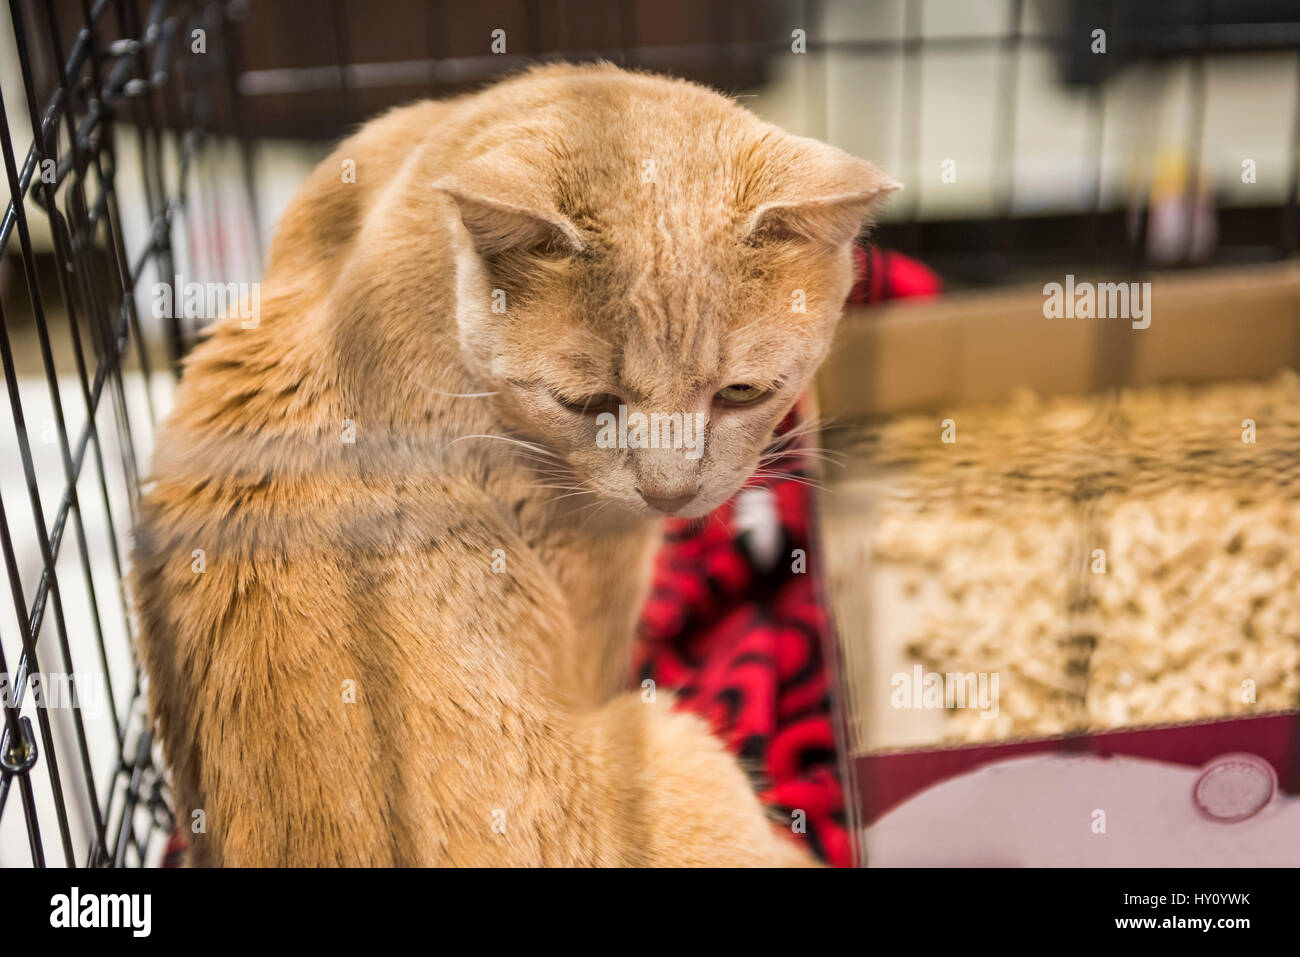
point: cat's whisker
(549, 477)
(546, 468)
(815, 423)
(569, 491)
(581, 491)
(793, 437)
(780, 442)
(454, 395)
(595, 508)
(822, 450)
(829, 456)
(533, 466)
(817, 486)
(825, 463)
(788, 477)
(541, 450)
(790, 473)
(798, 449)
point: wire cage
(140, 119)
(100, 80)
(889, 64)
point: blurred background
(1034, 137)
(1025, 129)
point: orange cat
(399, 529)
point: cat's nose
(668, 504)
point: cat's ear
(819, 193)
(503, 207)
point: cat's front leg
(604, 578)
(684, 800)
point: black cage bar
(92, 77)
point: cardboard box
(950, 361)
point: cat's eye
(590, 404)
(741, 394)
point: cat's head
(648, 277)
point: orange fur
(479, 595)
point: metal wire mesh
(77, 750)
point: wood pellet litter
(1119, 560)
